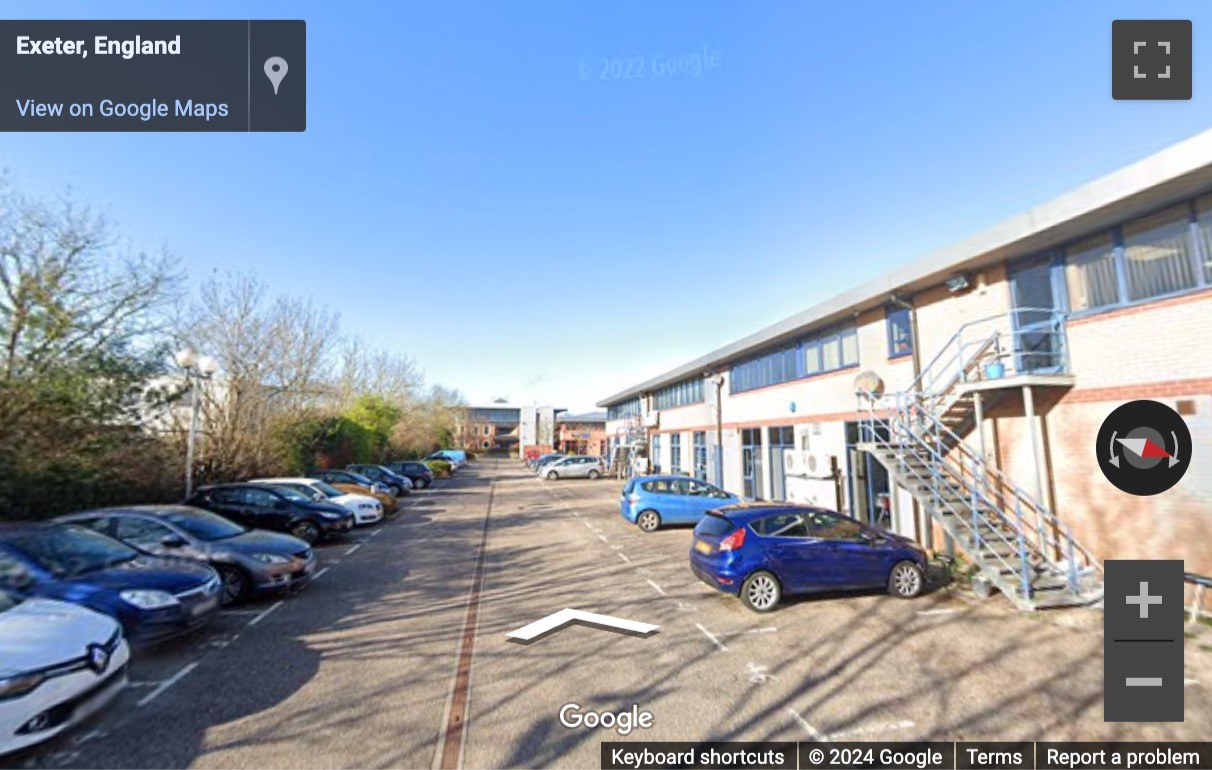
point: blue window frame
(835, 349)
(624, 410)
(679, 394)
(900, 332)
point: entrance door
(779, 439)
(868, 479)
(1037, 332)
(751, 463)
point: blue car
(153, 598)
(651, 501)
(760, 552)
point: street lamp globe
(207, 366)
(186, 358)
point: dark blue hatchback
(761, 552)
(153, 598)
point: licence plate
(702, 547)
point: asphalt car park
(396, 655)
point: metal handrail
(972, 507)
(928, 378)
(989, 471)
(1197, 602)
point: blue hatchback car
(761, 552)
(651, 501)
(153, 598)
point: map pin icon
(275, 70)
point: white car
(59, 665)
(366, 509)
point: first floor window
(1090, 274)
(1157, 255)
(900, 333)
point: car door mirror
(173, 541)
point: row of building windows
(624, 410)
(679, 394)
(1161, 254)
(512, 416)
(828, 352)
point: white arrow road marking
(758, 675)
(558, 620)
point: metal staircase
(1016, 542)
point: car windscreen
(293, 494)
(327, 490)
(205, 525)
(360, 479)
(713, 525)
(68, 551)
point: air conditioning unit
(652, 420)
(815, 465)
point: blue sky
(543, 232)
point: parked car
(250, 562)
(652, 501)
(542, 460)
(280, 509)
(153, 598)
(366, 509)
(456, 457)
(59, 664)
(394, 483)
(417, 472)
(763, 552)
(357, 484)
(573, 468)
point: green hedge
(440, 468)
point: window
(675, 453)
(831, 353)
(485, 444)
(900, 332)
(656, 453)
(1090, 274)
(850, 347)
(487, 430)
(141, 533)
(1157, 255)
(700, 455)
(624, 410)
(830, 527)
(260, 498)
(679, 394)
(1203, 217)
(781, 525)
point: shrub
(440, 468)
(470, 456)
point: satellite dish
(869, 382)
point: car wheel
(594, 474)
(552, 475)
(761, 592)
(234, 584)
(649, 521)
(906, 580)
(306, 531)
(395, 490)
(422, 483)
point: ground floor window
(700, 455)
(751, 463)
(675, 453)
(655, 455)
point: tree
(79, 319)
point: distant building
(581, 434)
(500, 427)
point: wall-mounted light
(957, 284)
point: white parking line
(603, 538)
(319, 574)
(623, 556)
(935, 612)
(352, 549)
(711, 636)
(1189, 682)
(268, 610)
(376, 533)
(587, 524)
(904, 724)
(813, 733)
(167, 683)
(659, 590)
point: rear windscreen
(713, 525)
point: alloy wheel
(649, 521)
(906, 580)
(762, 592)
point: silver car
(573, 468)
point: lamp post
(197, 368)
